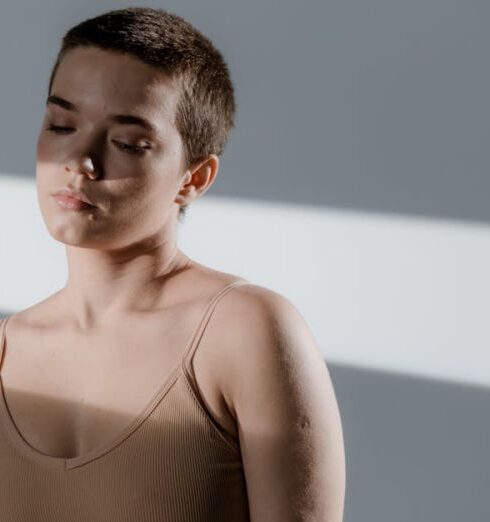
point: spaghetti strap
(189, 354)
(3, 328)
(172, 461)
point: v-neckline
(67, 463)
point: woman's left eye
(131, 149)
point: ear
(197, 179)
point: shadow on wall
(416, 449)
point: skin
(123, 260)
(125, 247)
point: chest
(70, 395)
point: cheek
(154, 191)
(43, 150)
(46, 163)
(150, 187)
(134, 186)
(54, 152)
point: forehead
(100, 81)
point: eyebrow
(123, 119)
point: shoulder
(269, 314)
(254, 311)
(36, 315)
(258, 302)
(278, 388)
(261, 333)
(26, 324)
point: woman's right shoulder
(35, 314)
(20, 321)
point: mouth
(72, 199)
(70, 203)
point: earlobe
(184, 193)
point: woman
(152, 387)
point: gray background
(365, 105)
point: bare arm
(289, 423)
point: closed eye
(57, 129)
(130, 149)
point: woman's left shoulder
(259, 302)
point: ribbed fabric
(173, 463)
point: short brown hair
(206, 109)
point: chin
(71, 235)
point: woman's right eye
(59, 130)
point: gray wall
(416, 449)
(368, 105)
(364, 104)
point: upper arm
(280, 392)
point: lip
(69, 195)
(71, 203)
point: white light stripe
(379, 291)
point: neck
(103, 284)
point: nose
(85, 166)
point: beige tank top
(172, 463)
